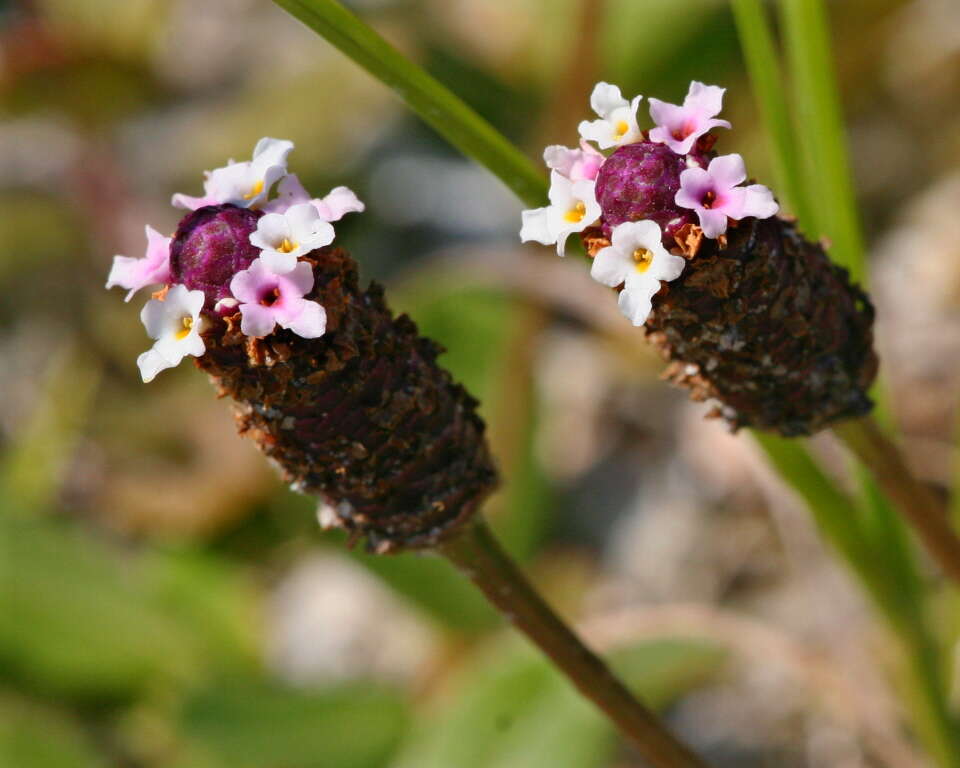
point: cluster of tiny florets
(237, 251)
(644, 195)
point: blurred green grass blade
(835, 514)
(822, 132)
(508, 707)
(36, 737)
(433, 102)
(31, 471)
(73, 621)
(252, 724)
(763, 66)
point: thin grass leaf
(822, 135)
(763, 66)
(433, 102)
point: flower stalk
(477, 554)
(926, 513)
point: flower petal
(301, 278)
(635, 300)
(339, 202)
(727, 171)
(311, 322)
(534, 227)
(605, 98)
(256, 320)
(759, 202)
(705, 99)
(610, 266)
(712, 222)
(277, 262)
(150, 364)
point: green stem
(427, 97)
(476, 552)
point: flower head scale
(680, 126)
(152, 269)
(573, 207)
(246, 184)
(618, 118)
(268, 299)
(636, 257)
(175, 323)
(284, 237)
(575, 164)
(715, 195)
(338, 202)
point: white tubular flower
(618, 118)
(636, 257)
(284, 237)
(175, 323)
(245, 184)
(573, 207)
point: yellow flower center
(575, 215)
(255, 190)
(187, 326)
(643, 258)
(286, 246)
(622, 128)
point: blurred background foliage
(165, 602)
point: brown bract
(362, 417)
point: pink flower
(245, 184)
(679, 127)
(576, 164)
(339, 202)
(152, 269)
(268, 299)
(715, 194)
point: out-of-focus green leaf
(30, 473)
(255, 725)
(510, 708)
(435, 586)
(34, 737)
(763, 64)
(829, 180)
(213, 599)
(72, 619)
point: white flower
(618, 118)
(338, 202)
(284, 237)
(175, 323)
(636, 258)
(573, 207)
(245, 184)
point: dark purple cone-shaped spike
(212, 244)
(768, 327)
(362, 417)
(639, 181)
